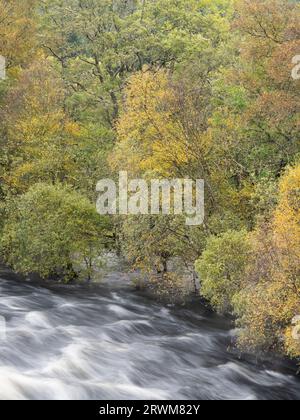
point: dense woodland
(162, 89)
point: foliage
(163, 89)
(50, 230)
(222, 267)
(17, 31)
(267, 306)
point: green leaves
(222, 268)
(52, 230)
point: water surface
(110, 342)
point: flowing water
(110, 342)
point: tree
(222, 268)
(17, 31)
(258, 117)
(270, 300)
(164, 132)
(100, 44)
(18, 46)
(39, 139)
(54, 232)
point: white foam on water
(121, 346)
(38, 319)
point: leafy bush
(222, 268)
(51, 231)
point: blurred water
(110, 342)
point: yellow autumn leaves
(271, 297)
(152, 139)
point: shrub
(222, 268)
(53, 231)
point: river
(111, 342)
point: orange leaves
(267, 20)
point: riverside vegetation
(161, 89)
